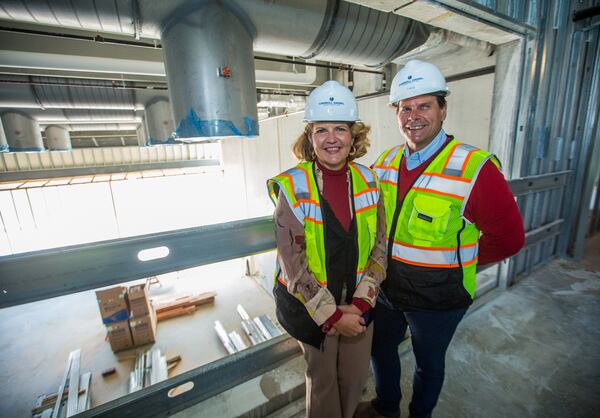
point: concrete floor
(532, 351)
(37, 337)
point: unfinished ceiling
(93, 67)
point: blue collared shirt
(415, 159)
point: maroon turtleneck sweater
(335, 191)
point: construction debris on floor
(150, 368)
(183, 305)
(73, 393)
(259, 329)
(129, 316)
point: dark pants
(431, 333)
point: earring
(352, 151)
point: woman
(330, 233)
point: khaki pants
(335, 378)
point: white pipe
(78, 63)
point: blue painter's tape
(26, 149)
(251, 126)
(121, 315)
(4, 148)
(192, 126)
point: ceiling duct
(205, 40)
(57, 138)
(160, 122)
(3, 142)
(22, 132)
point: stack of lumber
(183, 305)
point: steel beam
(208, 380)
(544, 232)
(489, 16)
(109, 169)
(536, 183)
(38, 275)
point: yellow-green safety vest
(431, 230)
(299, 187)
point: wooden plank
(175, 313)
(185, 301)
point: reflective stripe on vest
(434, 257)
(300, 190)
(431, 223)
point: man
(448, 209)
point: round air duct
(57, 138)
(210, 68)
(22, 132)
(159, 120)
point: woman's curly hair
(303, 148)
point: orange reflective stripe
(307, 182)
(372, 189)
(313, 220)
(393, 183)
(420, 247)
(366, 208)
(450, 155)
(445, 176)
(470, 153)
(439, 193)
(359, 173)
(388, 153)
(307, 201)
(386, 167)
(414, 263)
(291, 182)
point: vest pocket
(429, 218)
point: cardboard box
(143, 328)
(139, 303)
(119, 335)
(113, 304)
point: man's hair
(441, 99)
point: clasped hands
(350, 324)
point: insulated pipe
(22, 132)
(141, 136)
(3, 143)
(205, 104)
(57, 138)
(210, 69)
(159, 120)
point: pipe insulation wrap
(22, 132)
(159, 121)
(198, 48)
(57, 138)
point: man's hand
(350, 325)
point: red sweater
(491, 207)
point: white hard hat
(331, 102)
(417, 78)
